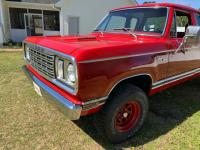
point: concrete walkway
(10, 49)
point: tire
(123, 114)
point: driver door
(187, 59)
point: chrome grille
(43, 62)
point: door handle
(162, 59)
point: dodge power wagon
(133, 53)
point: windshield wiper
(128, 30)
(97, 30)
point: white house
(22, 18)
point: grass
(28, 122)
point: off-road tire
(105, 120)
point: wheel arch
(143, 81)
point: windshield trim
(165, 27)
(101, 22)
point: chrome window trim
(101, 22)
(139, 7)
(174, 18)
(165, 27)
(64, 86)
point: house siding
(36, 1)
(90, 12)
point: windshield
(139, 20)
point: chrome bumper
(72, 111)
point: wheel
(123, 114)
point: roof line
(160, 4)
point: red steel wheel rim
(127, 116)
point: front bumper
(72, 111)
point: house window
(15, 0)
(17, 18)
(35, 11)
(51, 20)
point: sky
(192, 3)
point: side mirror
(192, 36)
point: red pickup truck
(133, 53)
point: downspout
(2, 20)
(59, 9)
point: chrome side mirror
(191, 38)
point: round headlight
(71, 74)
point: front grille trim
(42, 61)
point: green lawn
(28, 122)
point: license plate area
(37, 89)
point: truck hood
(88, 46)
(68, 44)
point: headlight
(27, 52)
(66, 71)
(71, 73)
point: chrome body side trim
(72, 111)
(94, 103)
(96, 100)
(64, 86)
(124, 57)
(161, 82)
(175, 78)
(91, 104)
(129, 56)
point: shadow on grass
(168, 109)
